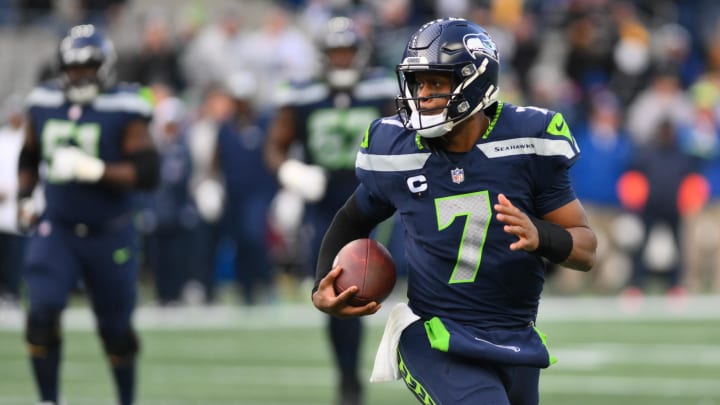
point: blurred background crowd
(637, 81)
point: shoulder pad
(389, 147)
(45, 95)
(376, 87)
(532, 131)
(128, 100)
(298, 94)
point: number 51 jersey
(98, 129)
(459, 261)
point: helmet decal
(480, 43)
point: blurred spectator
(169, 215)
(35, 11)
(9, 14)
(210, 55)
(526, 50)
(590, 36)
(157, 59)
(207, 187)
(703, 229)
(671, 45)
(100, 12)
(606, 155)
(11, 243)
(249, 189)
(661, 171)
(663, 99)
(631, 53)
(393, 28)
(276, 53)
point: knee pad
(121, 348)
(41, 336)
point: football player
(87, 142)
(328, 117)
(482, 189)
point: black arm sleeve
(348, 224)
(147, 168)
(28, 161)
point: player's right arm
(349, 223)
(29, 162)
(280, 136)
(28, 169)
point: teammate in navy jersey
(483, 191)
(87, 142)
(328, 117)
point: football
(367, 264)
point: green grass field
(278, 355)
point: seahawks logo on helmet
(480, 43)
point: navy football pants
(57, 259)
(440, 378)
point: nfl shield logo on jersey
(458, 175)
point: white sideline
(553, 309)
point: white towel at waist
(386, 364)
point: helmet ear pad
(474, 93)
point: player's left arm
(141, 167)
(573, 219)
(562, 236)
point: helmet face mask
(458, 48)
(87, 63)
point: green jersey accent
(413, 384)
(559, 127)
(543, 338)
(490, 127)
(366, 138)
(121, 255)
(438, 335)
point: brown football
(367, 264)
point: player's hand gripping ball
(368, 265)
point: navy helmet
(342, 33)
(86, 46)
(460, 48)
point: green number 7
(477, 210)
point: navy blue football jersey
(459, 261)
(97, 128)
(330, 124)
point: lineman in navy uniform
(483, 192)
(328, 118)
(87, 141)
